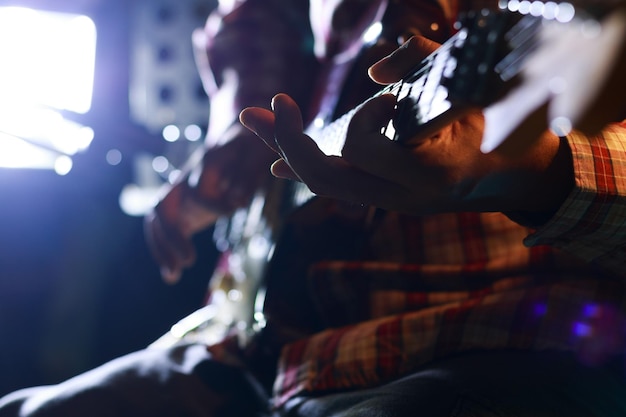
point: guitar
(571, 71)
(485, 63)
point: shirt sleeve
(591, 223)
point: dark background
(77, 284)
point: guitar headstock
(458, 75)
(483, 43)
(529, 63)
(571, 79)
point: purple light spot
(540, 309)
(582, 329)
(591, 310)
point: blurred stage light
(171, 133)
(114, 157)
(48, 62)
(193, 133)
(63, 165)
(17, 153)
(373, 32)
(160, 164)
(137, 201)
(138, 198)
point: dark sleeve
(252, 51)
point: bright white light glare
(549, 10)
(373, 32)
(171, 133)
(199, 317)
(47, 58)
(138, 201)
(63, 165)
(557, 85)
(47, 66)
(591, 29)
(565, 12)
(160, 164)
(524, 7)
(114, 157)
(44, 126)
(561, 126)
(513, 5)
(173, 176)
(537, 8)
(16, 153)
(235, 295)
(193, 133)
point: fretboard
(423, 87)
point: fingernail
(247, 124)
(406, 39)
(280, 169)
(276, 103)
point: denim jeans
(184, 381)
(484, 384)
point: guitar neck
(423, 85)
(424, 96)
(462, 72)
(473, 69)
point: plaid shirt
(450, 283)
(465, 281)
(592, 221)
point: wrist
(553, 188)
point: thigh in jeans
(183, 381)
(482, 384)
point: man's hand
(440, 173)
(225, 179)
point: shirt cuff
(591, 223)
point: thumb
(396, 65)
